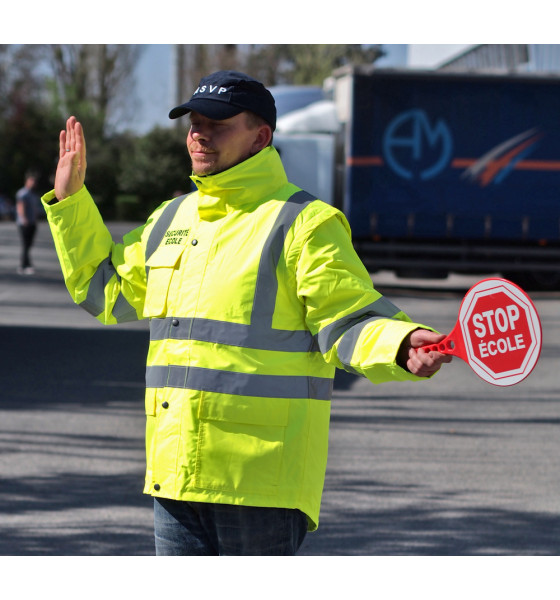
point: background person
(27, 209)
(255, 296)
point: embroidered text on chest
(175, 236)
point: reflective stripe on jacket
(255, 295)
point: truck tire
(536, 280)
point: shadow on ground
(47, 371)
(416, 531)
(39, 365)
(59, 388)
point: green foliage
(129, 176)
(92, 80)
(155, 168)
(28, 129)
(29, 142)
(306, 64)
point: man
(255, 295)
(27, 209)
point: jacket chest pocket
(161, 265)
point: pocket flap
(244, 409)
(166, 256)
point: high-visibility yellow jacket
(255, 295)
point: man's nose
(198, 133)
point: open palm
(71, 169)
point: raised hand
(71, 169)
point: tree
(93, 81)
(41, 85)
(306, 64)
(28, 129)
(270, 63)
(154, 168)
(194, 61)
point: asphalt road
(450, 466)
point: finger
(71, 138)
(420, 355)
(416, 362)
(424, 364)
(80, 141)
(423, 337)
(62, 144)
(432, 358)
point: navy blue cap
(224, 94)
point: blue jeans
(204, 529)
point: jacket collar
(247, 182)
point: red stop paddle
(498, 332)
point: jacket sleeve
(357, 328)
(107, 279)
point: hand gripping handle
(453, 344)
(446, 346)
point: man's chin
(203, 169)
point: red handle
(446, 346)
(453, 344)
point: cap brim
(213, 109)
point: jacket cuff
(49, 199)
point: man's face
(215, 146)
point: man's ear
(263, 138)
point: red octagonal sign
(501, 331)
(498, 332)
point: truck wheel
(536, 280)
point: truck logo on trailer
(501, 160)
(416, 148)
